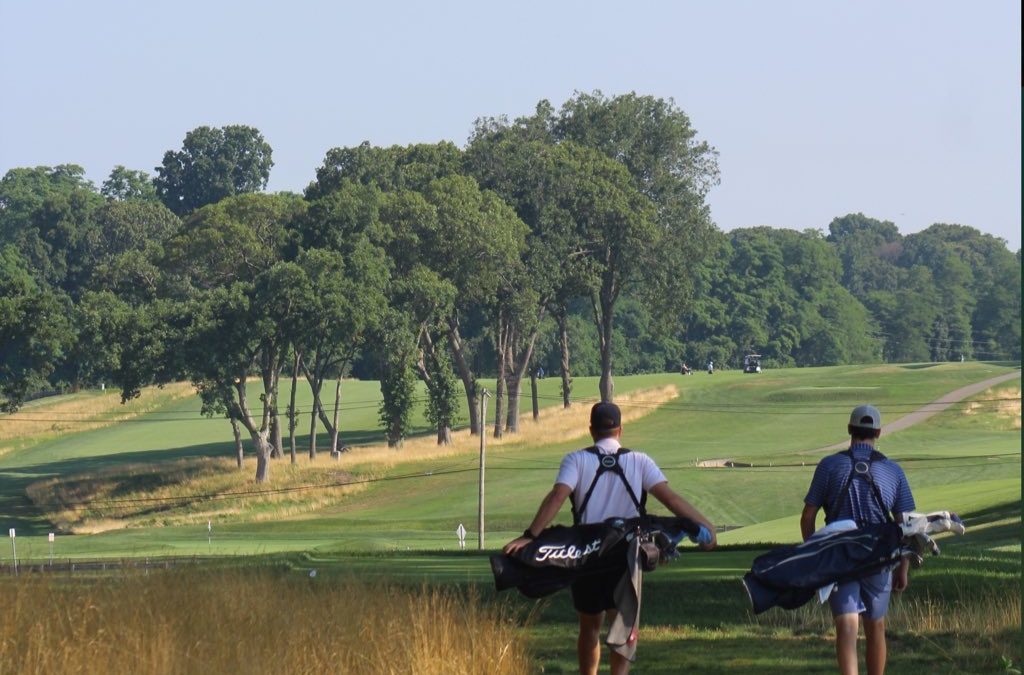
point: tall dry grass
(1006, 410)
(960, 612)
(191, 491)
(554, 425)
(183, 492)
(249, 621)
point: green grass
(696, 617)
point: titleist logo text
(566, 552)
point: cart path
(921, 414)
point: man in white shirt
(618, 491)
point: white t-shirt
(610, 498)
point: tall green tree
(464, 235)
(34, 331)
(231, 257)
(48, 213)
(345, 306)
(129, 185)
(672, 169)
(213, 163)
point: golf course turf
(397, 524)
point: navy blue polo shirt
(859, 504)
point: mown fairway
(401, 525)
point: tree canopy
(577, 240)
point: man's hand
(707, 538)
(514, 545)
(682, 508)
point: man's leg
(874, 631)
(619, 663)
(588, 644)
(847, 626)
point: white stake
(14, 550)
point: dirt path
(928, 410)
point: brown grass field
(249, 621)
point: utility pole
(484, 395)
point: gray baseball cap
(866, 417)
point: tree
(99, 318)
(212, 164)
(133, 226)
(868, 249)
(345, 305)
(230, 257)
(443, 400)
(539, 180)
(233, 240)
(396, 350)
(438, 219)
(34, 331)
(978, 279)
(241, 329)
(129, 185)
(48, 214)
(618, 225)
(655, 249)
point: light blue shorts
(868, 596)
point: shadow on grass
(18, 512)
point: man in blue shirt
(862, 485)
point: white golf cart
(752, 363)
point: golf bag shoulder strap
(606, 463)
(862, 469)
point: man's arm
(549, 508)
(900, 575)
(682, 508)
(807, 518)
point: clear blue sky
(905, 111)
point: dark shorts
(868, 596)
(593, 594)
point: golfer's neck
(863, 441)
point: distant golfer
(862, 485)
(711, 367)
(593, 502)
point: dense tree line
(576, 241)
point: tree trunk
(291, 406)
(603, 321)
(563, 336)
(275, 436)
(312, 426)
(334, 426)
(503, 345)
(466, 375)
(533, 392)
(260, 434)
(276, 443)
(263, 452)
(239, 453)
(519, 356)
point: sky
(904, 111)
